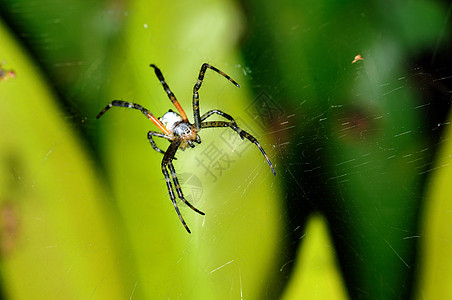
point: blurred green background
(359, 209)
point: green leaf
(57, 235)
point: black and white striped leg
(242, 133)
(179, 190)
(166, 162)
(173, 198)
(153, 144)
(197, 86)
(146, 112)
(125, 104)
(164, 84)
(168, 91)
(169, 154)
(218, 112)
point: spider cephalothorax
(181, 133)
(184, 130)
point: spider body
(177, 129)
(180, 129)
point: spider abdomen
(170, 120)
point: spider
(178, 130)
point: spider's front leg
(198, 86)
(167, 162)
(168, 91)
(242, 133)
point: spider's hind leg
(166, 162)
(179, 190)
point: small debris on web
(357, 58)
(6, 74)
